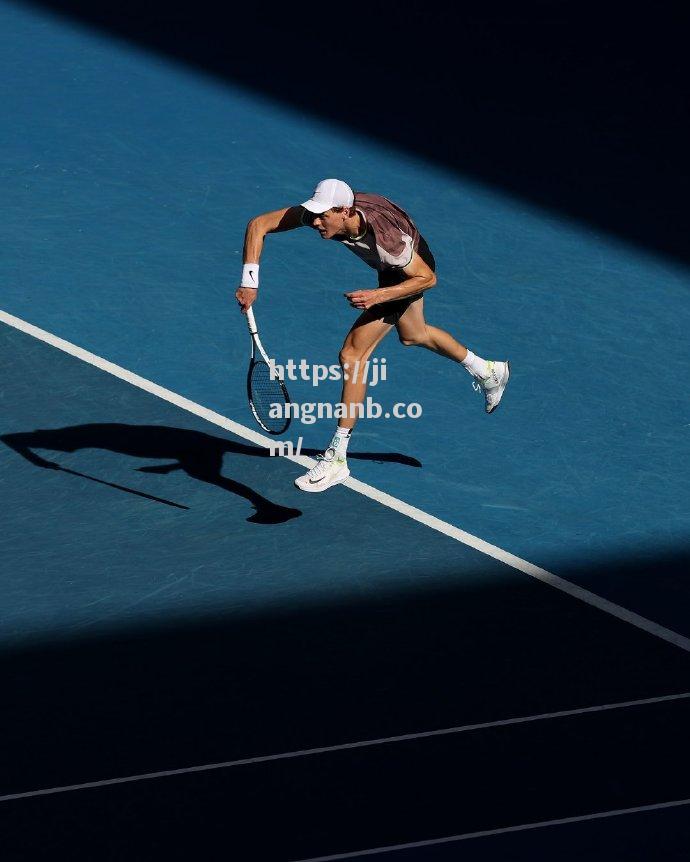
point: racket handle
(251, 323)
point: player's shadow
(198, 454)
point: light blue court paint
(127, 182)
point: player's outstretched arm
(277, 221)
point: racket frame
(258, 346)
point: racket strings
(267, 394)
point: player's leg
(367, 332)
(414, 331)
(361, 341)
(491, 376)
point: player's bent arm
(288, 218)
(420, 277)
(277, 221)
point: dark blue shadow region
(139, 637)
(574, 106)
(661, 834)
(421, 790)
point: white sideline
(400, 506)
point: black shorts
(391, 312)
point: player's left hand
(363, 299)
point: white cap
(330, 193)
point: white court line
(345, 746)
(403, 508)
(599, 815)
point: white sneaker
(494, 385)
(330, 470)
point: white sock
(340, 440)
(477, 366)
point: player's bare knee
(412, 340)
(348, 356)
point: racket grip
(251, 323)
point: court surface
(195, 654)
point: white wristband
(250, 275)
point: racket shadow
(198, 454)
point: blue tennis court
(477, 649)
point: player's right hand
(245, 297)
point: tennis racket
(264, 392)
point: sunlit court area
(476, 645)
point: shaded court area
(141, 637)
(576, 106)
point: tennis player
(386, 239)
